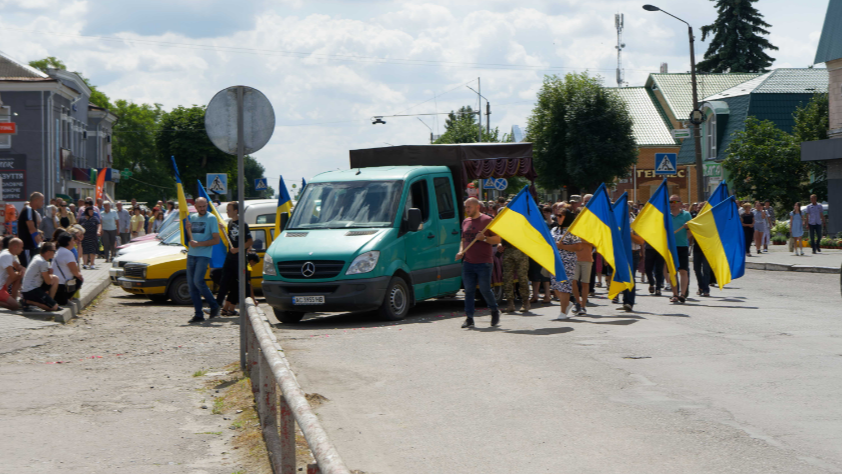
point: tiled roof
(11, 69)
(676, 88)
(830, 39)
(649, 123)
(795, 81)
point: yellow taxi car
(164, 278)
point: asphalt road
(747, 381)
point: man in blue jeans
(204, 233)
(816, 219)
(477, 254)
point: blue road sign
(665, 163)
(495, 183)
(216, 183)
(260, 184)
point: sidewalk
(780, 259)
(12, 323)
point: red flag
(100, 183)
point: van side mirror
(284, 218)
(414, 220)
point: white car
(170, 246)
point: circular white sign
(221, 120)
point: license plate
(127, 284)
(308, 300)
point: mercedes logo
(308, 269)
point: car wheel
(158, 299)
(287, 316)
(396, 303)
(179, 292)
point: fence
(269, 369)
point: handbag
(72, 285)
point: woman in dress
(796, 229)
(761, 224)
(566, 243)
(748, 222)
(91, 224)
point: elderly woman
(90, 244)
(50, 222)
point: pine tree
(737, 45)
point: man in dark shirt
(230, 281)
(28, 228)
(477, 253)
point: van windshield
(347, 204)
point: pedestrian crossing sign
(260, 184)
(216, 183)
(665, 163)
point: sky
(328, 67)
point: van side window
(444, 198)
(258, 240)
(265, 219)
(418, 198)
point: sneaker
(598, 285)
(801, 253)
(24, 306)
(215, 312)
(496, 319)
(469, 323)
(84, 267)
(615, 300)
(577, 308)
(582, 312)
(627, 308)
(196, 319)
(563, 315)
(765, 250)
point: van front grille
(296, 269)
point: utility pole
(479, 115)
(479, 105)
(696, 120)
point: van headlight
(364, 263)
(268, 265)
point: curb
(780, 267)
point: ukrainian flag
(720, 194)
(285, 204)
(598, 226)
(654, 224)
(303, 184)
(720, 236)
(620, 209)
(183, 211)
(522, 225)
(221, 249)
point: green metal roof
(676, 88)
(780, 81)
(830, 39)
(738, 108)
(650, 125)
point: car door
(450, 270)
(422, 246)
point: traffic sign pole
(241, 228)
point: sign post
(240, 120)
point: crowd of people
(587, 270)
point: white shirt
(60, 261)
(33, 279)
(6, 260)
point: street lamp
(696, 117)
(428, 127)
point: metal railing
(269, 370)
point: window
(259, 240)
(5, 116)
(711, 136)
(265, 219)
(418, 198)
(444, 197)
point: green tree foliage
(182, 134)
(765, 163)
(133, 148)
(461, 127)
(581, 134)
(737, 44)
(51, 62)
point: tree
(133, 148)
(581, 134)
(461, 127)
(737, 45)
(764, 163)
(182, 134)
(51, 62)
(252, 171)
(810, 124)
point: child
(39, 286)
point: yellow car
(163, 278)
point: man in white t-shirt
(11, 273)
(39, 286)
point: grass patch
(219, 406)
(211, 432)
(200, 373)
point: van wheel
(396, 303)
(158, 299)
(179, 292)
(287, 316)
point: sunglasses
(673, 202)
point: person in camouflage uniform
(515, 262)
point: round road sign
(221, 120)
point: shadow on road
(422, 313)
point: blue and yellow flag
(620, 209)
(183, 210)
(654, 224)
(597, 225)
(720, 194)
(522, 225)
(221, 249)
(285, 204)
(303, 184)
(719, 234)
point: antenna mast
(619, 47)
